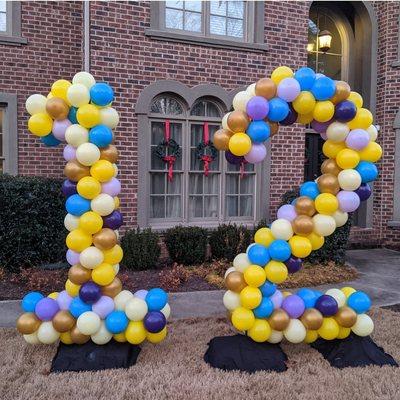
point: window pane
(232, 206)
(156, 162)
(192, 22)
(236, 9)
(174, 4)
(232, 184)
(3, 6)
(213, 110)
(195, 184)
(166, 105)
(157, 207)
(157, 132)
(235, 28)
(246, 206)
(193, 5)
(218, 7)
(247, 184)
(196, 135)
(174, 186)
(195, 206)
(195, 163)
(211, 184)
(199, 109)
(157, 183)
(1, 145)
(3, 22)
(1, 120)
(211, 206)
(173, 207)
(173, 18)
(217, 25)
(204, 108)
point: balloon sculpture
(93, 304)
(255, 303)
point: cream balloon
(47, 334)
(78, 95)
(91, 257)
(76, 135)
(324, 225)
(115, 170)
(88, 323)
(228, 271)
(337, 132)
(240, 101)
(340, 218)
(372, 132)
(103, 204)
(87, 154)
(32, 338)
(224, 121)
(363, 326)
(84, 78)
(136, 309)
(241, 262)
(338, 295)
(116, 268)
(276, 337)
(349, 179)
(166, 310)
(109, 117)
(231, 300)
(121, 299)
(251, 89)
(71, 222)
(103, 335)
(295, 332)
(282, 229)
(36, 103)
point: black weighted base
(354, 351)
(93, 357)
(241, 353)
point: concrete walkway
(379, 277)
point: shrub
(141, 249)
(31, 229)
(186, 245)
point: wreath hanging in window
(205, 150)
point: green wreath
(206, 152)
(168, 148)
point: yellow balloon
(323, 111)
(113, 255)
(348, 291)
(59, 89)
(120, 337)
(356, 99)
(343, 332)
(102, 170)
(71, 288)
(326, 203)
(88, 115)
(117, 202)
(264, 236)
(329, 329)
(53, 295)
(300, 245)
(65, 337)
(316, 241)
(304, 103)
(135, 332)
(88, 187)
(347, 159)
(40, 124)
(77, 240)
(276, 271)
(311, 336)
(305, 118)
(281, 73)
(157, 337)
(254, 275)
(103, 274)
(363, 119)
(372, 152)
(90, 222)
(331, 149)
(250, 297)
(239, 144)
(242, 319)
(260, 331)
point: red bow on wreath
(206, 158)
(168, 158)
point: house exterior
(182, 62)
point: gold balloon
(329, 166)
(112, 289)
(63, 321)
(57, 108)
(75, 171)
(265, 87)
(342, 92)
(109, 153)
(79, 275)
(105, 239)
(305, 206)
(273, 127)
(328, 183)
(279, 320)
(312, 319)
(28, 323)
(346, 317)
(238, 121)
(221, 139)
(303, 225)
(78, 337)
(235, 281)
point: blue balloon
(116, 321)
(101, 94)
(78, 307)
(265, 308)
(156, 299)
(50, 140)
(367, 170)
(258, 254)
(77, 205)
(268, 288)
(309, 189)
(278, 109)
(317, 293)
(30, 300)
(279, 250)
(308, 296)
(72, 115)
(323, 88)
(259, 131)
(306, 78)
(359, 302)
(101, 135)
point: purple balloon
(72, 257)
(64, 300)
(357, 139)
(69, 153)
(257, 153)
(294, 264)
(320, 127)
(291, 117)
(345, 111)
(232, 159)
(90, 292)
(287, 211)
(103, 306)
(59, 128)
(323, 136)
(257, 108)
(113, 221)
(46, 309)
(293, 305)
(277, 299)
(364, 191)
(69, 188)
(288, 89)
(326, 305)
(348, 200)
(154, 321)
(141, 294)
(112, 187)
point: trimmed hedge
(31, 221)
(141, 249)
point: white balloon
(136, 309)
(109, 117)
(78, 95)
(84, 78)
(373, 133)
(282, 229)
(103, 335)
(228, 271)
(240, 101)
(251, 89)
(363, 326)
(88, 323)
(87, 154)
(71, 222)
(224, 121)
(103, 204)
(337, 131)
(36, 103)
(121, 299)
(340, 218)
(231, 300)
(241, 262)
(166, 310)
(116, 268)
(349, 179)
(32, 338)
(46, 333)
(276, 337)
(91, 257)
(295, 332)
(115, 170)
(324, 225)
(76, 135)
(338, 295)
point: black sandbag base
(94, 357)
(241, 353)
(354, 351)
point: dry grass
(176, 370)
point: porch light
(310, 47)
(324, 41)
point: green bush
(186, 245)
(335, 245)
(141, 249)
(31, 221)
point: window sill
(205, 41)
(394, 224)
(12, 40)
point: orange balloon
(109, 153)
(28, 323)
(79, 275)
(329, 166)
(265, 87)
(279, 320)
(342, 92)
(328, 183)
(78, 337)
(63, 321)
(346, 317)
(238, 121)
(303, 225)
(221, 139)
(105, 239)
(273, 127)
(312, 319)
(75, 171)
(305, 206)
(57, 108)
(235, 281)
(113, 288)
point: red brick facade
(122, 55)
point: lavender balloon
(288, 89)
(141, 294)
(320, 127)
(293, 264)
(277, 299)
(90, 292)
(72, 257)
(69, 188)
(103, 306)
(232, 159)
(257, 153)
(64, 300)
(287, 211)
(323, 136)
(46, 309)
(113, 221)
(112, 187)
(348, 200)
(59, 128)
(293, 305)
(364, 192)
(154, 321)
(357, 139)
(69, 153)
(257, 108)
